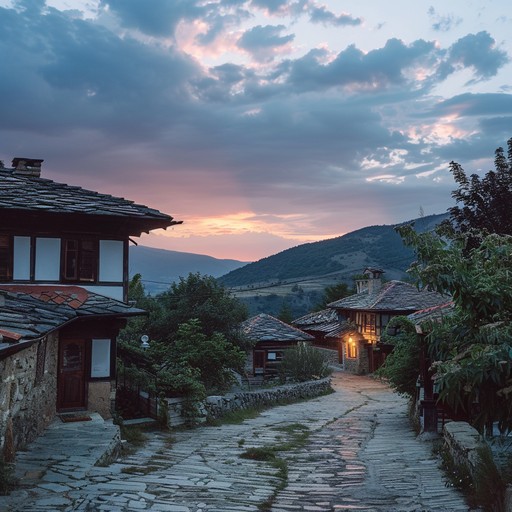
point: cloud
(479, 52)
(305, 140)
(264, 41)
(374, 70)
(320, 14)
(160, 18)
(443, 23)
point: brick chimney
(27, 167)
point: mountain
(377, 246)
(295, 278)
(160, 267)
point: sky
(261, 124)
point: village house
(366, 314)
(63, 297)
(270, 337)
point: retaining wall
(463, 443)
(214, 407)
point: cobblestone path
(360, 455)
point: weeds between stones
(299, 435)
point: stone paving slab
(361, 455)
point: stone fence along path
(360, 455)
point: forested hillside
(346, 255)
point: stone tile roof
(28, 193)
(323, 322)
(423, 318)
(28, 312)
(264, 327)
(392, 296)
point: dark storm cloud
(320, 14)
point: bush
(304, 362)
(402, 366)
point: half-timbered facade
(63, 296)
(367, 313)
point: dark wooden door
(71, 378)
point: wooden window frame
(80, 253)
(6, 258)
(351, 350)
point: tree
(203, 298)
(473, 347)
(194, 341)
(285, 313)
(402, 367)
(332, 293)
(483, 204)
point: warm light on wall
(350, 340)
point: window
(80, 260)
(5, 258)
(351, 350)
(100, 358)
(369, 323)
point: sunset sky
(262, 124)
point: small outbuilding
(270, 337)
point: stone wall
(463, 443)
(331, 354)
(99, 397)
(27, 394)
(214, 407)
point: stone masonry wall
(214, 407)
(463, 442)
(27, 404)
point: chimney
(27, 167)
(372, 281)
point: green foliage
(472, 348)
(285, 313)
(334, 293)
(483, 204)
(200, 297)
(402, 366)
(345, 254)
(213, 356)
(185, 358)
(304, 362)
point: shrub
(304, 362)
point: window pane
(5, 258)
(88, 261)
(70, 259)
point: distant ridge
(346, 255)
(160, 267)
